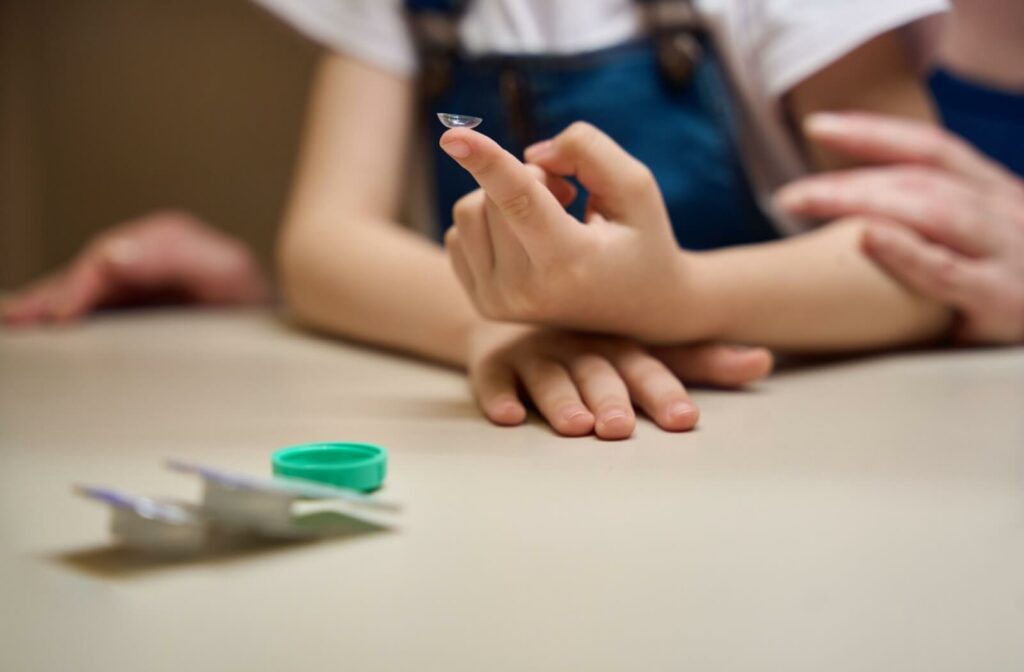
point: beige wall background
(111, 108)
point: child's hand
(522, 257)
(583, 384)
(160, 256)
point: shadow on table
(795, 364)
(118, 561)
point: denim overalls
(663, 99)
(990, 119)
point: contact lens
(458, 120)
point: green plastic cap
(359, 466)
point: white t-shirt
(768, 46)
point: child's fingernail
(457, 149)
(681, 416)
(825, 122)
(509, 412)
(614, 419)
(578, 420)
(575, 414)
(680, 409)
(539, 151)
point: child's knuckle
(519, 207)
(580, 134)
(639, 181)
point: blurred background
(112, 108)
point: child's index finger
(505, 179)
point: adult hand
(522, 257)
(164, 255)
(949, 223)
(584, 384)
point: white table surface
(864, 515)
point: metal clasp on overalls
(675, 28)
(673, 25)
(435, 31)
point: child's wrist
(693, 311)
(464, 338)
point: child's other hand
(165, 255)
(590, 384)
(522, 257)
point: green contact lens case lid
(358, 466)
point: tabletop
(865, 514)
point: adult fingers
(95, 278)
(31, 305)
(86, 286)
(990, 323)
(929, 269)
(174, 251)
(887, 139)
(494, 385)
(525, 202)
(718, 365)
(555, 394)
(604, 393)
(939, 207)
(621, 187)
(108, 266)
(67, 295)
(655, 388)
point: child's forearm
(378, 283)
(815, 292)
(345, 266)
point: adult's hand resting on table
(949, 222)
(162, 256)
(589, 384)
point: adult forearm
(378, 283)
(815, 292)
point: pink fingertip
(539, 151)
(457, 149)
(681, 416)
(508, 413)
(576, 423)
(615, 425)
